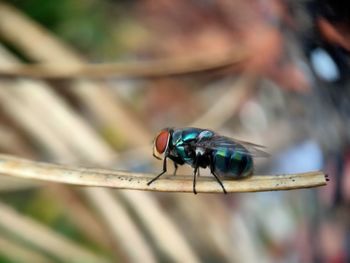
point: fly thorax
(205, 134)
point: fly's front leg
(195, 179)
(159, 175)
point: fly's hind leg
(175, 168)
(217, 177)
(196, 172)
(219, 181)
(159, 175)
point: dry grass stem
(127, 180)
(87, 150)
(67, 137)
(228, 104)
(83, 218)
(164, 225)
(144, 69)
(19, 253)
(63, 146)
(40, 45)
(44, 238)
(69, 65)
(113, 213)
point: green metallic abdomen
(229, 162)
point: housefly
(202, 148)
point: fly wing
(219, 142)
(250, 144)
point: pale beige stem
(227, 105)
(101, 103)
(146, 69)
(156, 221)
(40, 45)
(128, 180)
(55, 128)
(64, 63)
(19, 253)
(44, 238)
(113, 213)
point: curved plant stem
(39, 44)
(17, 167)
(19, 253)
(146, 69)
(44, 238)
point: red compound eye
(162, 141)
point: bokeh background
(287, 89)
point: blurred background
(285, 86)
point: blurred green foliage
(5, 260)
(99, 29)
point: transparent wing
(218, 142)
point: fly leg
(219, 181)
(195, 173)
(159, 175)
(217, 177)
(175, 168)
(195, 179)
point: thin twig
(17, 252)
(83, 218)
(111, 209)
(228, 104)
(35, 40)
(38, 44)
(45, 239)
(167, 227)
(17, 167)
(144, 69)
(129, 238)
(108, 113)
